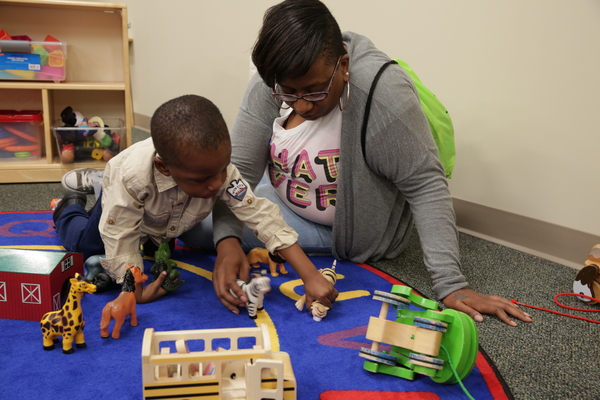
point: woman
(301, 120)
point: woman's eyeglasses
(314, 96)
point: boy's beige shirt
(139, 202)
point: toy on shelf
(20, 133)
(317, 309)
(417, 338)
(587, 280)
(163, 262)
(67, 322)
(24, 59)
(124, 305)
(255, 290)
(252, 372)
(259, 255)
(82, 139)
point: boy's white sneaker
(82, 180)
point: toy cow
(587, 280)
(262, 256)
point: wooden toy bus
(235, 363)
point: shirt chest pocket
(156, 219)
(191, 218)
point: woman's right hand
(230, 264)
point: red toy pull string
(564, 306)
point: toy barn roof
(29, 261)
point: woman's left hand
(474, 304)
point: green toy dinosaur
(163, 262)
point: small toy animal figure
(172, 281)
(255, 290)
(594, 256)
(163, 262)
(317, 309)
(123, 305)
(587, 280)
(164, 253)
(67, 322)
(262, 256)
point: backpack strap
(363, 132)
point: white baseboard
(142, 121)
(552, 242)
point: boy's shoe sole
(67, 200)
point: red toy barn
(32, 282)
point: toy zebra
(255, 290)
(317, 309)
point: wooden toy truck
(189, 364)
(417, 337)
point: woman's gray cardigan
(377, 202)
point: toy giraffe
(124, 305)
(67, 322)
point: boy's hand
(231, 262)
(473, 304)
(152, 291)
(317, 287)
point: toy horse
(258, 255)
(124, 305)
(317, 309)
(68, 322)
(255, 290)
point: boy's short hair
(295, 33)
(186, 123)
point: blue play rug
(324, 355)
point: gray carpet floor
(554, 357)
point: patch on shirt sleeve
(237, 189)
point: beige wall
(520, 79)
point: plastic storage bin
(33, 61)
(87, 144)
(21, 135)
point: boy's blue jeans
(78, 231)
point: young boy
(161, 187)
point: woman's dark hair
(187, 123)
(295, 33)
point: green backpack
(437, 117)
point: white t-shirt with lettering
(303, 166)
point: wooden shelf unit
(97, 80)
